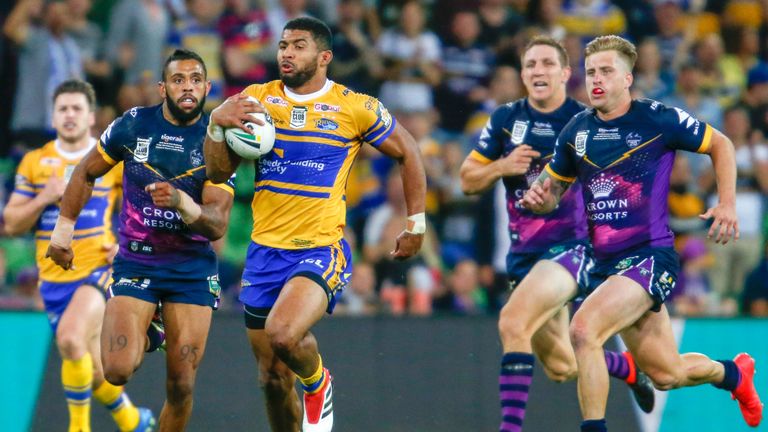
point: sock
(732, 377)
(125, 414)
(514, 382)
(594, 426)
(76, 378)
(619, 366)
(313, 383)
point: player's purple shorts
(268, 269)
(576, 257)
(57, 295)
(654, 269)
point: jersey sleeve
(111, 143)
(24, 182)
(374, 121)
(563, 164)
(490, 144)
(686, 132)
(228, 185)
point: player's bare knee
(180, 388)
(582, 335)
(276, 381)
(70, 346)
(116, 375)
(282, 339)
(560, 372)
(511, 327)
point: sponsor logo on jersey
(298, 117)
(518, 131)
(68, 170)
(685, 118)
(141, 152)
(50, 161)
(327, 108)
(602, 207)
(634, 139)
(384, 115)
(276, 100)
(580, 143)
(326, 124)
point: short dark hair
(319, 30)
(562, 54)
(183, 54)
(77, 86)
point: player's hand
(538, 197)
(63, 257)
(234, 112)
(407, 245)
(518, 162)
(725, 219)
(111, 250)
(163, 194)
(53, 190)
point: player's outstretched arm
(76, 195)
(544, 194)
(209, 218)
(477, 177)
(220, 161)
(725, 222)
(401, 146)
(22, 212)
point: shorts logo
(298, 117)
(134, 283)
(625, 263)
(580, 144)
(518, 131)
(213, 285)
(141, 152)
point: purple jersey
(154, 150)
(624, 165)
(518, 123)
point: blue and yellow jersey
(93, 230)
(624, 166)
(299, 199)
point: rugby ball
(255, 144)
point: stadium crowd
(441, 66)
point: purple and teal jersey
(624, 165)
(154, 150)
(518, 123)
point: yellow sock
(77, 377)
(125, 414)
(314, 382)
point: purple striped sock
(514, 381)
(618, 366)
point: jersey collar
(72, 155)
(310, 96)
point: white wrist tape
(417, 224)
(216, 132)
(61, 236)
(190, 211)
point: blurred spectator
(685, 205)
(47, 57)
(756, 97)
(575, 86)
(692, 294)
(280, 12)
(718, 79)
(500, 25)
(734, 260)
(138, 30)
(640, 20)
(689, 97)
(466, 66)
(90, 40)
(742, 49)
(462, 294)
(359, 297)
(404, 286)
(590, 18)
(354, 62)
(650, 80)
(754, 298)
(504, 87)
(24, 294)
(675, 37)
(247, 56)
(198, 31)
(411, 55)
(543, 18)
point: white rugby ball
(255, 144)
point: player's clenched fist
(518, 161)
(163, 194)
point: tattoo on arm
(117, 343)
(558, 187)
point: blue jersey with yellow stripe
(93, 230)
(155, 150)
(300, 186)
(624, 166)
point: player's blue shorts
(202, 291)
(655, 269)
(57, 295)
(268, 269)
(576, 257)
